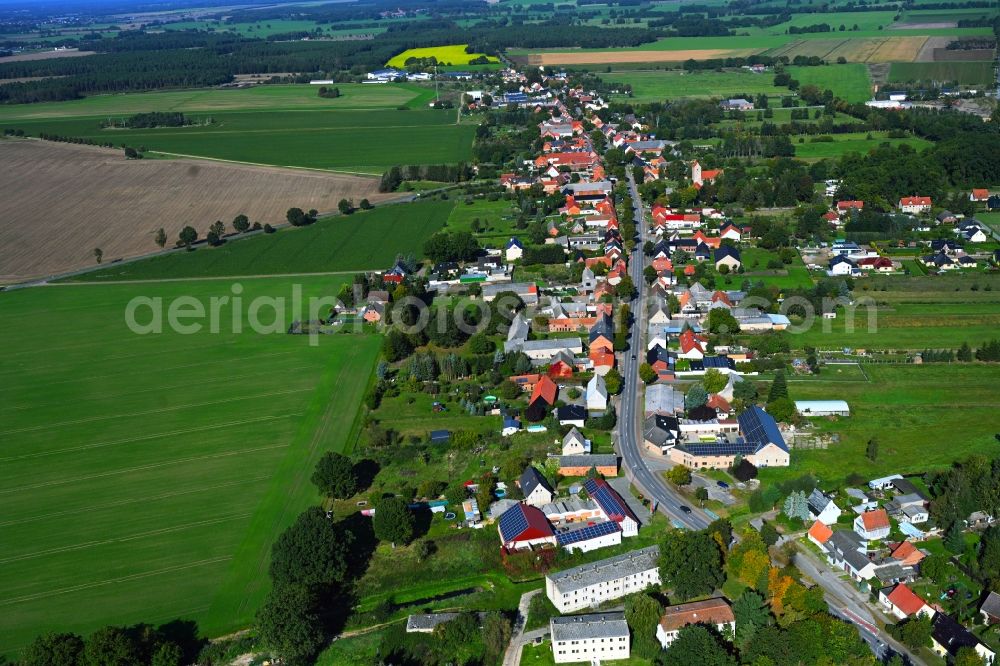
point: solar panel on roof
(586, 533)
(739, 447)
(609, 501)
(513, 522)
(759, 428)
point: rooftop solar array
(587, 533)
(759, 428)
(724, 448)
(609, 501)
(513, 522)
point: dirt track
(60, 201)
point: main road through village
(630, 417)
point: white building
(597, 394)
(590, 638)
(715, 612)
(591, 584)
(822, 508)
(575, 444)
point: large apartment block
(591, 584)
(591, 638)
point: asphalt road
(630, 408)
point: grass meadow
(965, 73)
(365, 240)
(856, 142)
(923, 416)
(146, 476)
(658, 85)
(849, 81)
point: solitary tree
(218, 227)
(393, 521)
(296, 217)
(779, 387)
(98, 254)
(187, 236)
(679, 475)
(290, 623)
(701, 494)
(335, 476)
(161, 237)
(366, 205)
(695, 397)
(241, 223)
(871, 451)
(345, 206)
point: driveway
(518, 637)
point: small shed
(440, 436)
(822, 407)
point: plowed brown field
(60, 201)
(602, 57)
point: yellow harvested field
(898, 49)
(60, 201)
(603, 57)
(874, 49)
(46, 55)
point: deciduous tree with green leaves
(335, 476)
(393, 521)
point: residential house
(819, 534)
(545, 390)
(574, 415)
(661, 432)
(872, 525)
(841, 265)
(731, 232)
(823, 508)
(906, 554)
(514, 249)
(990, 610)
(613, 578)
(948, 637)
(915, 205)
(902, 602)
(542, 351)
(613, 507)
(844, 207)
(663, 399)
(845, 550)
(524, 527)
(692, 345)
(590, 638)
(597, 394)
(575, 444)
(729, 257)
(736, 104)
(979, 195)
(510, 427)
(535, 487)
(715, 613)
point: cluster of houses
(595, 637)
(866, 554)
(594, 516)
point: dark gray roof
(427, 621)
(660, 429)
(601, 571)
(818, 501)
(531, 478)
(596, 460)
(991, 606)
(951, 635)
(580, 627)
(845, 545)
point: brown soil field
(930, 46)
(951, 55)
(898, 49)
(923, 26)
(45, 55)
(60, 201)
(603, 57)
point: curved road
(630, 408)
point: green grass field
(362, 241)
(924, 417)
(353, 96)
(360, 132)
(269, 27)
(451, 54)
(850, 143)
(849, 82)
(965, 73)
(657, 85)
(146, 476)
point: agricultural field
(362, 241)
(964, 73)
(849, 82)
(353, 96)
(356, 142)
(451, 54)
(108, 202)
(906, 408)
(188, 453)
(658, 85)
(276, 27)
(850, 143)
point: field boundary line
(122, 539)
(123, 579)
(133, 500)
(162, 410)
(140, 468)
(279, 166)
(260, 276)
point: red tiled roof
(980, 194)
(846, 205)
(915, 201)
(875, 520)
(719, 403)
(905, 600)
(545, 389)
(820, 532)
(709, 611)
